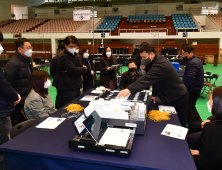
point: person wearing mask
(165, 81)
(88, 75)
(17, 71)
(108, 76)
(205, 138)
(129, 76)
(55, 75)
(193, 79)
(39, 104)
(138, 60)
(8, 99)
(70, 70)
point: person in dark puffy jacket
(17, 71)
(70, 70)
(8, 98)
(55, 75)
(193, 79)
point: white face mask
(1, 50)
(209, 107)
(28, 53)
(77, 51)
(71, 50)
(85, 55)
(47, 84)
(108, 54)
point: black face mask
(132, 69)
(185, 58)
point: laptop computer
(104, 135)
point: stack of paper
(51, 123)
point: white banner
(81, 15)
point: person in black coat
(17, 72)
(208, 153)
(55, 75)
(193, 79)
(108, 76)
(129, 76)
(70, 70)
(8, 99)
(165, 81)
(88, 75)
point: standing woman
(88, 75)
(108, 76)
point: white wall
(64, 13)
(210, 24)
(89, 25)
(5, 7)
(18, 11)
(201, 19)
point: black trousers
(59, 98)
(194, 134)
(17, 117)
(70, 95)
(193, 115)
(181, 105)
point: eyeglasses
(30, 48)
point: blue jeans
(5, 126)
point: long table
(48, 149)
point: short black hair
(1, 37)
(148, 48)
(70, 39)
(131, 61)
(217, 102)
(61, 46)
(187, 48)
(20, 42)
(143, 43)
(84, 50)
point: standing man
(17, 71)
(139, 58)
(129, 76)
(193, 79)
(55, 75)
(70, 70)
(165, 81)
(8, 99)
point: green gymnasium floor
(201, 102)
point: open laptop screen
(95, 125)
(79, 124)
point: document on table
(167, 109)
(88, 98)
(175, 131)
(115, 136)
(51, 123)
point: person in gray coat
(39, 104)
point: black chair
(17, 129)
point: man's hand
(17, 102)
(194, 152)
(124, 93)
(204, 122)
(92, 72)
(85, 67)
(108, 68)
(154, 99)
